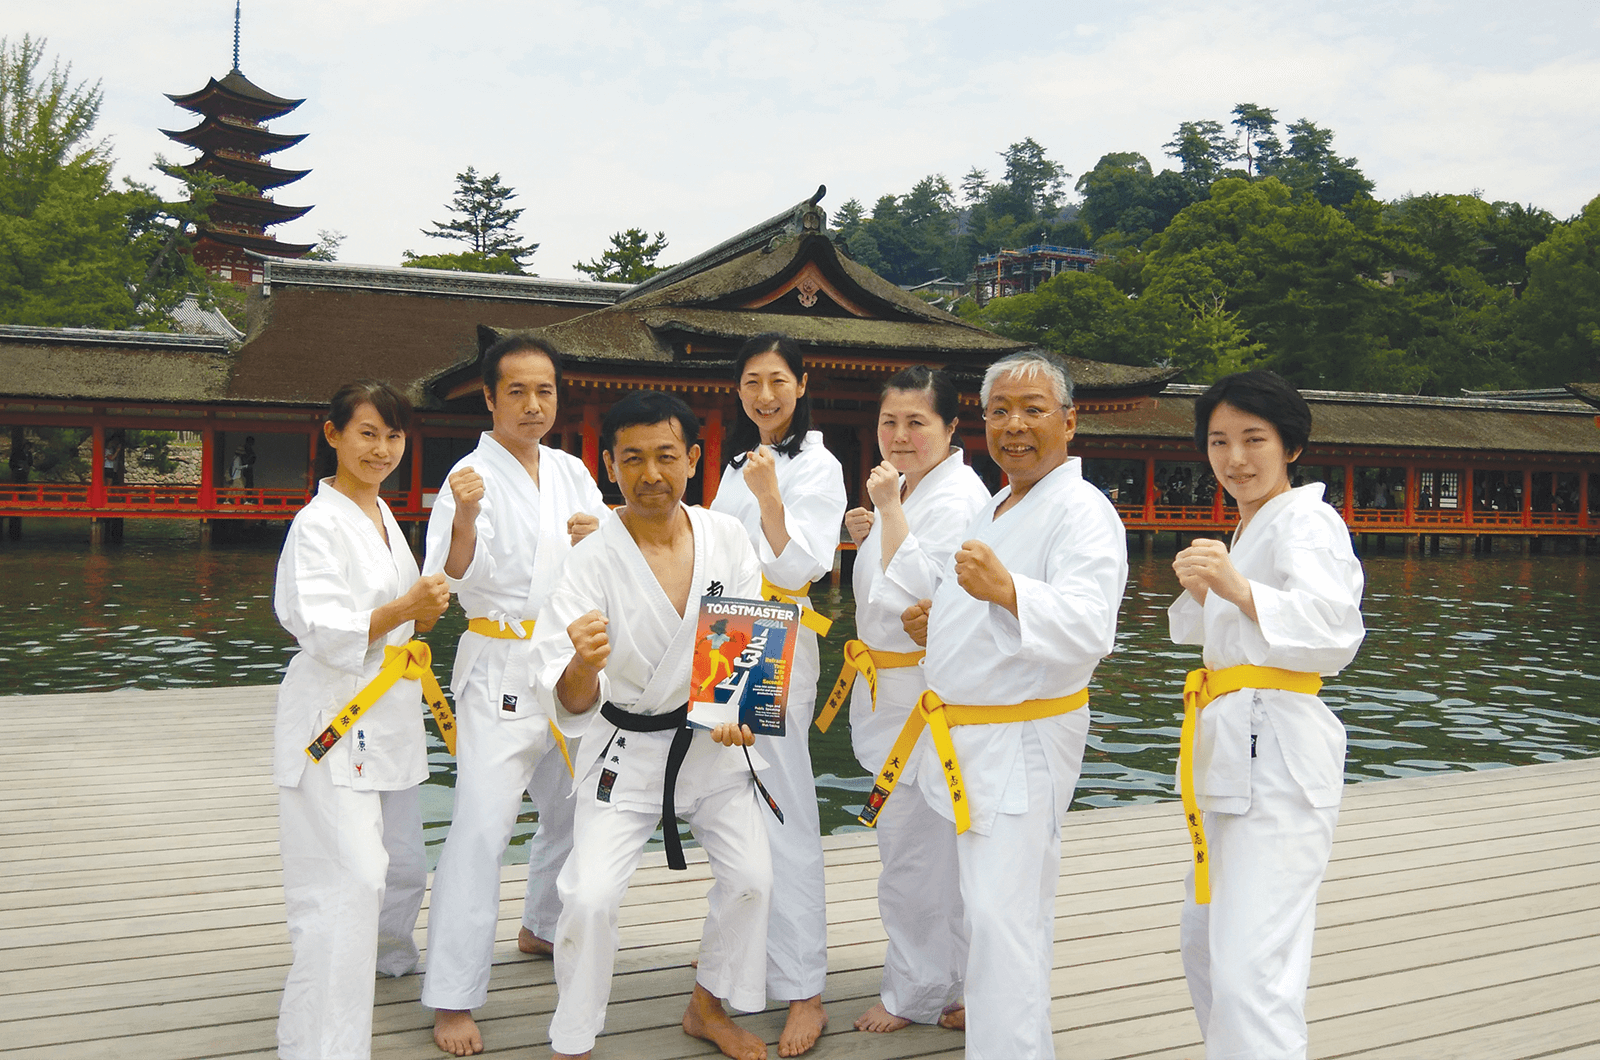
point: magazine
(743, 657)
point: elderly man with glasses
(1025, 611)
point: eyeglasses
(1030, 415)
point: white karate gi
(1269, 817)
(349, 826)
(919, 891)
(1067, 553)
(522, 541)
(647, 672)
(811, 484)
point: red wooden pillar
(1583, 497)
(1149, 489)
(97, 464)
(1466, 496)
(591, 440)
(208, 468)
(414, 500)
(1411, 493)
(311, 461)
(1349, 494)
(712, 458)
(1527, 496)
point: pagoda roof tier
(218, 131)
(235, 94)
(246, 209)
(262, 175)
(1589, 392)
(269, 245)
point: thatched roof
(1401, 421)
(1589, 392)
(86, 364)
(316, 325)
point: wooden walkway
(141, 913)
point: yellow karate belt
(519, 630)
(412, 661)
(1200, 687)
(818, 624)
(860, 659)
(939, 716)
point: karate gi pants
(919, 901)
(495, 764)
(797, 937)
(353, 876)
(1247, 955)
(733, 958)
(1008, 884)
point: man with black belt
(618, 633)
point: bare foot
(954, 1018)
(880, 1020)
(528, 942)
(456, 1032)
(706, 1019)
(804, 1026)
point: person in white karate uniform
(925, 496)
(618, 633)
(349, 824)
(788, 491)
(500, 529)
(1277, 611)
(1024, 612)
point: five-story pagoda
(235, 144)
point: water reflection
(1469, 663)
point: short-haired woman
(1262, 757)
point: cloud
(701, 118)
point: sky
(700, 119)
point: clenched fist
(858, 524)
(761, 474)
(914, 620)
(980, 572)
(466, 486)
(1204, 566)
(426, 600)
(581, 525)
(588, 635)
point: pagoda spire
(236, 34)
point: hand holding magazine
(743, 656)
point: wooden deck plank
(1460, 912)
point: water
(1470, 662)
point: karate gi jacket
(1067, 553)
(938, 516)
(335, 570)
(1307, 585)
(652, 650)
(812, 486)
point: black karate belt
(678, 720)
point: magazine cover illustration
(743, 657)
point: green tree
(1309, 166)
(483, 219)
(465, 261)
(1559, 314)
(74, 249)
(1299, 277)
(631, 258)
(1261, 145)
(328, 244)
(1124, 200)
(1204, 149)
